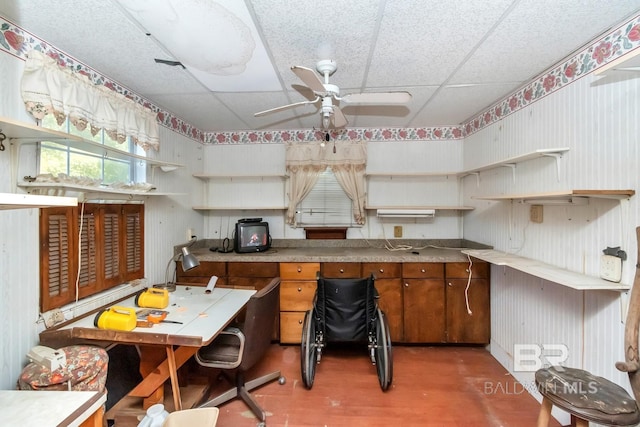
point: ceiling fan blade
(377, 98)
(284, 107)
(339, 120)
(309, 77)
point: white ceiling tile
(423, 46)
(455, 105)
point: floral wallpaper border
(624, 39)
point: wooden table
(202, 315)
(27, 408)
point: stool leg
(545, 412)
(581, 423)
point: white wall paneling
(599, 124)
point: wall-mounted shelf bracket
(2, 138)
(477, 175)
(556, 156)
(513, 169)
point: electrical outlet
(610, 268)
(189, 233)
(397, 231)
(535, 213)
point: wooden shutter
(56, 256)
(111, 245)
(133, 241)
(90, 261)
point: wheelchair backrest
(346, 308)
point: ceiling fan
(326, 93)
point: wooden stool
(586, 397)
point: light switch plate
(610, 268)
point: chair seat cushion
(588, 396)
(223, 352)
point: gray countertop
(354, 252)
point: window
(326, 204)
(92, 247)
(58, 158)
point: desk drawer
(206, 268)
(339, 270)
(297, 295)
(382, 270)
(291, 327)
(252, 269)
(423, 270)
(460, 270)
(299, 270)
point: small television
(252, 235)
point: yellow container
(152, 298)
(116, 318)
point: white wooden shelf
(21, 132)
(91, 193)
(438, 208)
(30, 201)
(553, 196)
(626, 63)
(239, 208)
(555, 153)
(209, 176)
(409, 174)
(545, 271)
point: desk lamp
(189, 261)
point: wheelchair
(346, 311)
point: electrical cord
(79, 255)
(466, 290)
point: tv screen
(251, 237)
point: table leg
(173, 374)
(164, 371)
(150, 358)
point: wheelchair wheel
(308, 350)
(383, 352)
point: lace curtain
(48, 88)
(305, 162)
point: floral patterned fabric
(86, 370)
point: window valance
(48, 88)
(348, 161)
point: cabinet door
(424, 315)
(463, 327)
(389, 285)
(390, 302)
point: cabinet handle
(299, 269)
(423, 270)
(342, 270)
(299, 289)
(299, 322)
(450, 284)
(406, 285)
(382, 270)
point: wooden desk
(202, 315)
(27, 408)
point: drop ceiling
(456, 58)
